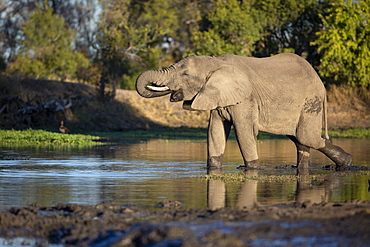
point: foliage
(344, 42)
(32, 136)
(46, 51)
(129, 32)
(124, 38)
(290, 26)
(232, 29)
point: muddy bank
(297, 224)
(127, 111)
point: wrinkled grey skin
(280, 95)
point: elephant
(281, 95)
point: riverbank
(109, 224)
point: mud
(109, 224)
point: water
(145, 173)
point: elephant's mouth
(156, 88)
(177, 95)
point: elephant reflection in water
(216, 191)
(247, 195)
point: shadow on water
(144, 173)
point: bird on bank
(62, 128)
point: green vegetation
(201, 133)
(32, 137)
(344, 43)
(46, 50)
(171, 134)
(120, 39)
(350, 133)
(233, 29)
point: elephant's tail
(326, 118)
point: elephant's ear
(226, 86)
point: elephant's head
(202, 82)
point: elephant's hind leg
(303, 154)
(341, 158)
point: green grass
(32, 136)
(172, 134)
(201, 133)
(350, 133)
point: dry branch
(16, 113)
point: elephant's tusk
(158, 89)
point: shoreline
(109, 224)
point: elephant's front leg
(218, 132)
(246, 135)
(248, 145)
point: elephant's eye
(185, 73)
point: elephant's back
(282, 72)
(286, 69)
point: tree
(118, 38)
(344, 43)
(79, 15)
(46, 50)
(231, 27)
(132, 37)
(289, 26)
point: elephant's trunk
(148, 85)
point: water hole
(143, 173)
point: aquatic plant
(32, 136)
(241, 177)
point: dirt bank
(298, 224)
(346, 108)
(23, 102)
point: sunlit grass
(355, 132)
(201, 134)
(32, 136)
(172, 134)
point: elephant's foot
(214, 171)
(302, 171)
(341, 158)
(303, 154)
(248, 165)
(214, 162)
